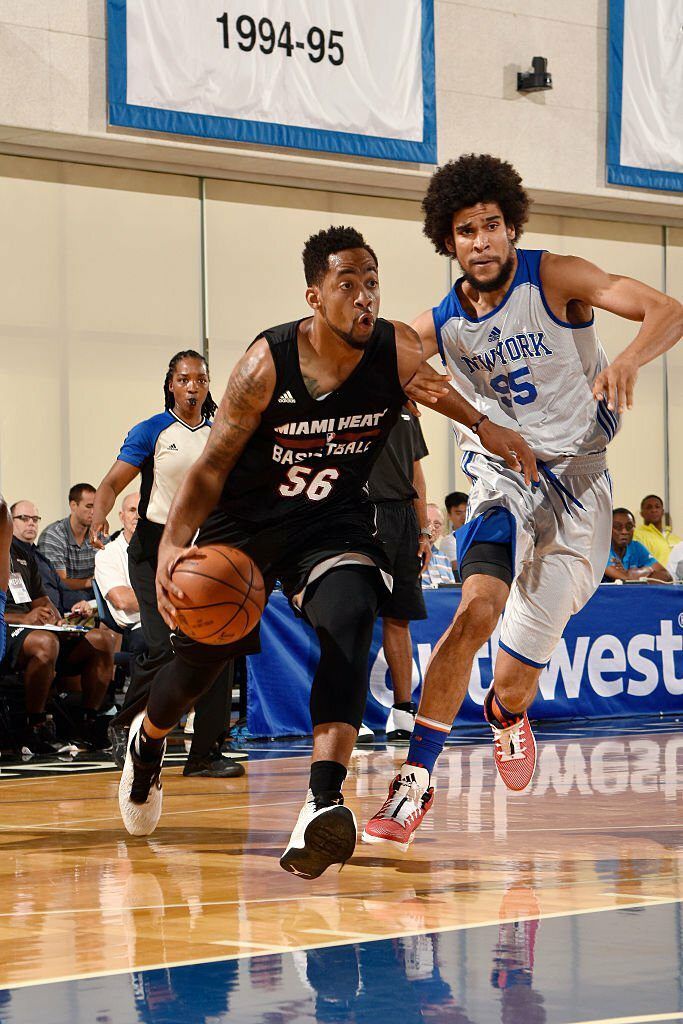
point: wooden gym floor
(560, 905)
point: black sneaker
(325, 834)
(213, 765)
(41, 738)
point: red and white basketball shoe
(410, 797)
(514, 751)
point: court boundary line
(51, 826)
(59, 777)
(635, 901)
(649, 1018)
(68, 825)
(267, 951)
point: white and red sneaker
(410, 797)
(514, 751)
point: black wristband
(475, 426)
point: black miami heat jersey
(312, 457)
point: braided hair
(209, 406)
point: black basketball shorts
(398, 529)
(288, 551)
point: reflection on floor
(559, 905)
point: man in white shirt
(113, 580)
(439, 570)
(675, 564)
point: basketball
(223, 593)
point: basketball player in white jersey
(517, 334)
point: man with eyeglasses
(26, 526)
(39, 655)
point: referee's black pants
(212, 710)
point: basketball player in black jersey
(306, 411)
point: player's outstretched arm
(501, 441)
(661, 318)
(249, 390)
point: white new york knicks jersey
(526, 369)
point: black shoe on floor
(41, 738)
(118, 738)
(213, 765)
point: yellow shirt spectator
(660, 543)
(657, 538)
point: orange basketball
(223, 592)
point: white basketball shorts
(563, 528)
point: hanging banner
(621, 655)
(343, 76)
(645, 102)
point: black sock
(36, 718)
(146, 747)
(500, 714)
(89, 715)
(327, 778)
(406, 705)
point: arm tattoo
(245, 388)
(238, 415)
(226, 443)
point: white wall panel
(100, 274)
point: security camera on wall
(537, 80)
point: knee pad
(342, 610)
(487, 545)
(486, 559)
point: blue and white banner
(343, 76)
(645, 102)
(621, 655)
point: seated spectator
(66, 544)
(456, 507)
(628, 558)
(40, 655)
(675, 565)
(657, 537)
(439, 570)
(25, 520)
(113, 579)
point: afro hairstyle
(324, 244)
(473, 178)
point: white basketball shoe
(325, 834)
(140, 792)
(400, 725)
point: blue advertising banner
(621, 655)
